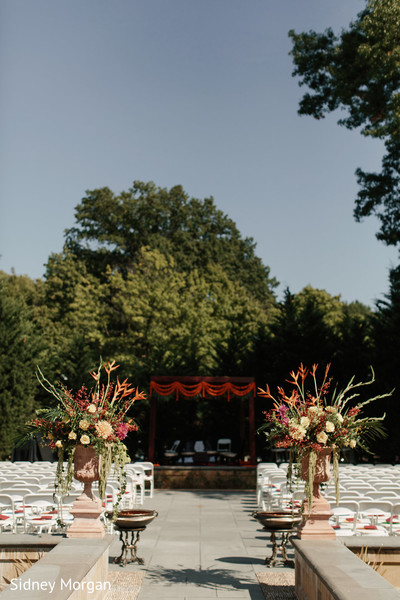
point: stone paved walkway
(202, 545)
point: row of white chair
(35, 513)
(44, 475)
(366, 517)
(22, 480)
(355, 482)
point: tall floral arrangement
(312, 417)
(97, 417)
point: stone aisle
(202, 545)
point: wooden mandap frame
(189, 387)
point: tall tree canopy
(19, 349)
(163, 281)
(111, 229)
(359, 71)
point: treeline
(166, 285)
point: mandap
(189, 387)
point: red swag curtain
(202, 388)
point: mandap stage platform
(207, 477)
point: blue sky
(193, 92)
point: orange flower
(110, 367)
(303, 371)
(265, 393)
(314, 369)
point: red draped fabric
(202, 388)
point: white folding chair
(65, 503)
(382, 495)
(349, 495)
(224, 449)
(394, 528)
(40, 513)
(7, 513)
(136, 481)
(148, 476)
(22, 484)
(172, 454)
(344, 518)
(262, 481)
(375, 517)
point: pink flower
(282, 410)
(122, 431)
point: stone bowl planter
(278, 520)
(128, 520)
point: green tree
(315, 327)
(77, 304)
(19, 351)
(306, 329)
(386, 332)
(359, 72)
(355, 350)
(111, 229)
(164, 321)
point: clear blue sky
(193, 92)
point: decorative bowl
(133, 519)
(278, 520)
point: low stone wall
(19, 552)
(382, 553)
(216, 478)
(70, 569)
(327, 570)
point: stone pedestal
(86, 512)
(315, 523)
(87, 508)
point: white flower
(322, 438)
(329, 426)
(304, 421)
(313, 409)
(85, 439)
(330, 409)
(352, 443)
(297, 432)
(339, 418)
(72, 435)
(83, 424)
(59, 444)
(91, 408)
(104, 429)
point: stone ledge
(24, 540)
(385, 542)
(328, 570)
(68, 571)
(381, 551)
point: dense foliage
(358, 72)
(162, 302)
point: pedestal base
(86, 512)
(124, 537)
(271, 560)
(315, 524)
